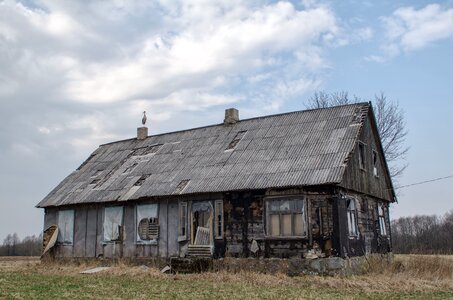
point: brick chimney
(142, 133)
(231, 116)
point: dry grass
(406, 275)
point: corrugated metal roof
(293, 149)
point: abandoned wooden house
(310, 183)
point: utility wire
(423, 182)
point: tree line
(423, 234)
(14, 246)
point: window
(382, 228)
(113, 220)
(375, 163)
(218, 219)
(286, 217)
(352, 217)
(362, 155)
(147, 222)
(65, 227)
(182, 228)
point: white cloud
(409, 29)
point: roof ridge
(243, 120)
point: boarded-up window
(352, 217)
(147, 222)
(286, 217)
(182, 223)
(113, 221)
(382, 228)
(219, 219)
(66, 226)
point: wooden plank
(90, 241)
(80, 219)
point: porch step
(200, 250)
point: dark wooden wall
(363, 180)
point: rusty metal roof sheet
(294, 149)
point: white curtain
(113, 218)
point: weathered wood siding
(363, 180)
(370, 239)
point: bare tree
(390, 123)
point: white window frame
(110, 210)
(149, 210)
(218, 219)
(182, 221)
(351, 215)
(381, 218)
(280, 212)
(66, 227)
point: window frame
(60, 232)
(218, 223)
(138, 220)
(351, 217)
(381, 220)
(293, 212)
(181, 213)
(121, 224)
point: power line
(423, 182)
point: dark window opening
(236, 140)
(219, 219)
(362, 156)
(183, 220)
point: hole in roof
(238, 137)
(182, 185)
(152, 149)
(95, 181)
(96, 173)
(140, 181)
(131, 167)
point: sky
(77, 74)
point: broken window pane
(65, 226)
(113, 220)
(148, 225)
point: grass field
(409, 277)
